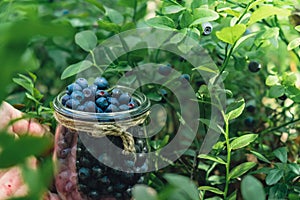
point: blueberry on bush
(165, 70)
(184, 77)
(207, 28)
(249, 121)
(254, 66)
(283, 97)
(250, 108)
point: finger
(10, 182)
(29, 126)
(21, 191)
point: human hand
(11, 181)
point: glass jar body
(97, 167)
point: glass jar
(100, 155)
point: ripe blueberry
(123, 107)
(113, 101)
(283, 97)
(249, 121)
(102, 102)
(163, 92)
(99, 110)
(64, 99)
(82, 82)
(88, 93)
(184, 78)
(89, 106)
(254, 66)
(250, 108)
(73, 87)
(101, 83)
(124, 98)
(207, 28)
(72, 103)
(132, 104)
(101, 93)
(165, 70)
(78, 95)
(80, 108)
(111, 108)
(116, 93)
(94, 194)
(83, 173)
(97, 171)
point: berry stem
(228, 159)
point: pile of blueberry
(97, 97)
(96, 180)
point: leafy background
(257, 156)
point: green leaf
(297, 28)
(213, 125)
(76, 68)
(242, 141)
(97, 4)
(154, 96)
(161, 22)
(252, 188)
(211, 189)
(279, 191)
(235, 109)
(267, 37)
(202, 15)
(114, 16)
(206, 69)
(267, 11)
(260, 156)
(272, 80)
(212, 158)
(241, 169)
(281, 154)
(289, 78)
(38, 179)
(184, 183)
(29, 96)
(186, 19)
(25, 84)
(294, 167)
(276, 91)
(172, 9)
(178, 37)
(274, 176)
(293, 44)
(140, 192)
(108, 26)
(293, 93)
(242, 40)
(87, 40)
(13, 153)
(231, 34)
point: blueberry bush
(254, 44)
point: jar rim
(142, 108)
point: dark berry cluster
(96, 97)
(96, 180)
